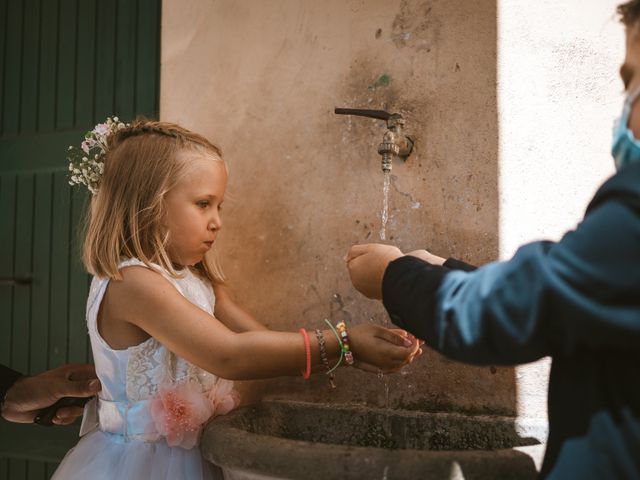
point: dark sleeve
(7, 378)
(583, 292)
(454, 264)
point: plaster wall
(509, 102)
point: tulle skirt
(105, 456)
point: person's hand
(378, 349)
(367, 263)
(427, 257)
(415, 340)
(31, 394)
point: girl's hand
(378, 349)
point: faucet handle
(379, 114)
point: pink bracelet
(306, 374)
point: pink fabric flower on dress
(223, 398)
(179, 411)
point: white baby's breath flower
(85, 170)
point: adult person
(577, 300)
(22, 397)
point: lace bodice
(135, 373)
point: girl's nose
(215, 223)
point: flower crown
(86, 164)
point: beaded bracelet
(306, 374)
(344, 338)
(324, 357)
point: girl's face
(193, 208)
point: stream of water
(383, 236)
(385, 205)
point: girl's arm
(231, 314)
(147, 300)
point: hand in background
(427, 257)
(367, 263)
(30, 394)
(378, 349)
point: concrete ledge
(319, 441)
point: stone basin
(299, 440)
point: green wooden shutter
(65, 65)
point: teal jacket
(577, 300)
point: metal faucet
(394, 142)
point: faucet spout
(388, 149)
(394, 143)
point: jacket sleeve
(583, 292)
(7, 378)
(455, 264)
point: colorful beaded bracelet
(344, 338)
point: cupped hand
(31, 394)
(378, 349)
(367, 264)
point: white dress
(123, 442)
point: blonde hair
(125, 217)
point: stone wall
(510, 104)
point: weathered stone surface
(322, 441)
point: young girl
(164, 329)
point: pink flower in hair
(101, 129)
(179, 411)
(85, 146)
(223, 398)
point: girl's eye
(203, 204)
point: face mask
(626, 149)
